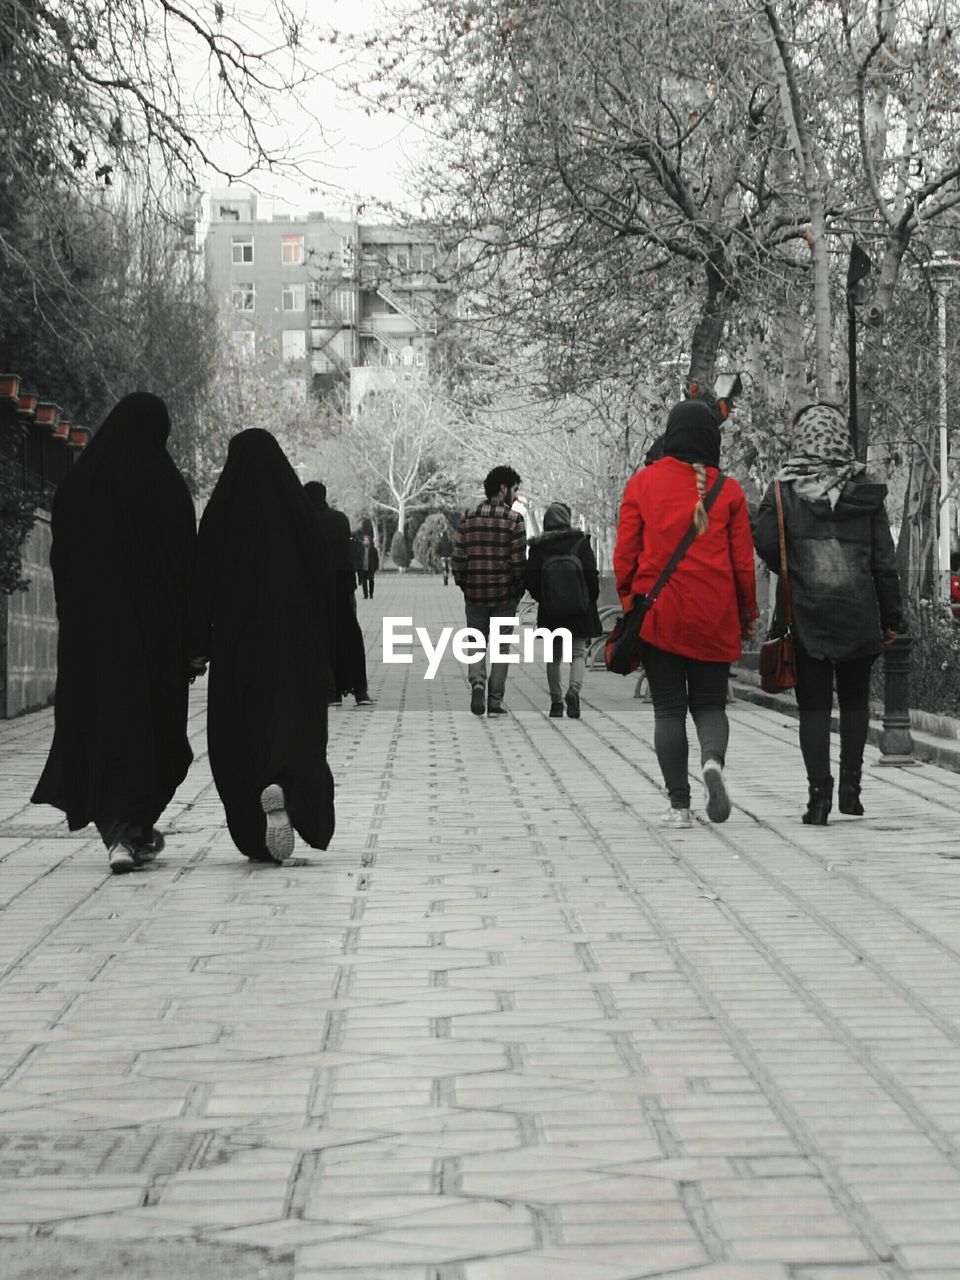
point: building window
(293, 344)
(244, 297)
(419, 359)
(245, 344)
(291, 250)
(403, 259)
(343, 305)
(422, 257)
(347, 256)
(293, 297)
(241, 251)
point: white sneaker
(279, 839)
(676, 818)
(718, 801)
(122, 858)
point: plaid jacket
(490, 556)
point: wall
(28, 631)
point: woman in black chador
(349, 653)
(124, 533)
(262, 612)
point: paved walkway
(504, 1029)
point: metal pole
(852, 356)
(945, 504)
(896, 740)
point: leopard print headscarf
(822, 458)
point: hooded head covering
(822, 460)
(556, 516)
(693, 433)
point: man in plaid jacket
(489, 559)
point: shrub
(426, 542)
(935, 676)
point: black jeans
(677, 685)
(366, 581)
(116, 829)
(815, 681)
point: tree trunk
(708, 334)
(871, 361)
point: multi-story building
(318, 296)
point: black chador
(124, 534)
(261, 611)
(350, 660)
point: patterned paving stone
(504, 1028)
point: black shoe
(334, 702)
(478, 700)
(820, 802)
(364, 699)
(573, 704)
(556, 710)
(148, 849)
(848, 792)
(499, 710)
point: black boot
(820, 802)
(848, 793)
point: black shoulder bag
(623, 650)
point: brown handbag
(778, 658)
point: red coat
(712, 593)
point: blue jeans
(478, 616)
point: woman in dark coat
(124, 532)
(261, 611)
(559, 539)
(844, 588)
(350, 658)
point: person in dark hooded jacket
(349, 658)
(844, 589)
(559, 539)
(124, 535)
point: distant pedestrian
(350, 658)
(445, 552)
(489, 560)
(260, 612)
(694, 630)
(124, 534)
(844, 590)
(562, 577)
(369, 564)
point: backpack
(563, 586)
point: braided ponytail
(700, 517)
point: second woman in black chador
(262, 612)
(123, 542)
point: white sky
(359, 158)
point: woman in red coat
(693, 631)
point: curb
(927, 747)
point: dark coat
(332, 531)
(374, 558)
(124, 534)
(841, 565)
(565, 542)
(260, 609)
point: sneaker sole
(121, 866)
(279, 838)
(718, 801)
